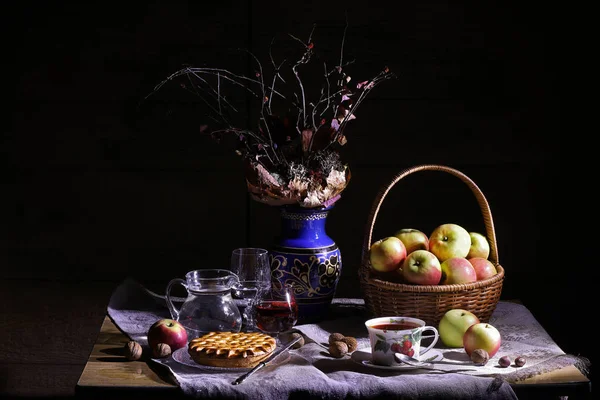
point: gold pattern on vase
(327, 268)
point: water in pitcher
(209, 305)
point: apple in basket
(387, 254)
(449, 240)
(480, 247)
(167, 331)
(482, 336)
(422, 267)
(457, 270)
(454, 324)
(413, 239)
(484, 268)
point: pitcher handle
(172, 309)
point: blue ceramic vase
(306, 258)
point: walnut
(161, 350)
(338, 349)
(133, 350)
(351, 342)
(480, 357)
(335, 337)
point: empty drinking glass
(252, 267)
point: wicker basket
(430, 302)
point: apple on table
(422, 267)
(454, 324)
(413, 239)
(480, 247)
(449, 240)
(387, 254)
(167, 331)
(484, 336)
(457, 270)
(484, 268)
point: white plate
(364, 358)
(181, 356)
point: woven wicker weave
(430, 302)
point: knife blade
(263, 364)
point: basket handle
(481, 200)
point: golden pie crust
(231, 350)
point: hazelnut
(293, 335)
(519, 361)
(504, 361)
(133, 350)
(161, 350)
(338, 349)
(335, 337)
(351, 342)
(480, 357)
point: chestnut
(504, 361)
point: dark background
(97, 189)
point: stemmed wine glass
(252, 267)
(276, 311)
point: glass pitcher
(209, 306)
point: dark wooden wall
(96, 189)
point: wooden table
(107, 374)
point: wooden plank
(107, 366)
(568, 374)
(114, 371)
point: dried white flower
(311, 199)
(336, 179)
(298, 185)
(325, 194)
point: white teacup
(389, 335)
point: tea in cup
(389, 335)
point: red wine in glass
(276, 316)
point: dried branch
(286, 161)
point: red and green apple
(387, 254)
(482, 336)
(413, 239)
(484, 268)
(449, 240)
(454, 324)
(480, 247)
(422, 267)
(167, 331)
(457, 270)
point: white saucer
(364, 358)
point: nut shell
(480, 357)
(335, 337)
(133, 350)
(338, 349)
(519, 361)
(351, 343)
(161, 350)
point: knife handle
(247, 374)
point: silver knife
(265, 363)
